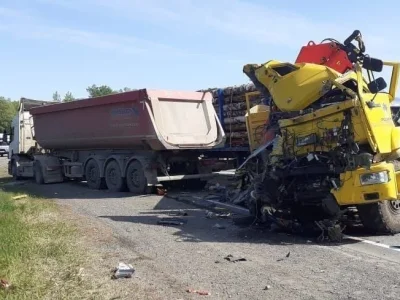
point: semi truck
(121, 142)
(334, 146)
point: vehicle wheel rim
(93, 174)
(135, 178)
(395, 206)
(112, 176)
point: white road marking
(371, 242)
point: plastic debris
(4, 284)
(123, 271)
(233, 259)
(161, 192)
(219, 226)
(19, 197)
(202, 293)
(212, 215)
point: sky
(68, 45)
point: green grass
(39, 255)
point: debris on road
(202, 293)
(181, 213)
(171, 221)
(233, 259)
(219, 226)
(123, 271)
(287, 256)
(213, 215)
(4, 284)
(161, 192)
(19, 197)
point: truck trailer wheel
(14, 170)
(113, 175)
(382, 217)
(135, 178)
(92, 174)
(39, 179)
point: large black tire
(92, 175)
(382, 217)
(14, 171)
(39, 179)
(136, 180)
(114, 180)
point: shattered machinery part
(261, 194)
(136, 180)
(382, 217)
(39, 179)
(115, 181)
(92, 174)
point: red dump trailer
(124, 141)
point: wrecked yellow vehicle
(335, 145)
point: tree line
(93, 91)
(9, 107)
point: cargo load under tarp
(141, 119)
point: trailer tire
(135, 178)
(39, 179)
(92, 175)
(114, 180)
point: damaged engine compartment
(323, 123)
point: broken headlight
(374, 178)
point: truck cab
(22, 135)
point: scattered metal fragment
(231, 258)
(123, 271)
(181, 213)
(202, 293)
(219, 226)
(329, 231)
(171, 221)
(161, 191)
(287, 256)
(212, 215)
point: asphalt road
(175, 258)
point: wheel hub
(113, 176)
(395, 205)
(135, 177)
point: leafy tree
(68, 97)
(56, 96)
(8, 109)
(98, 91)
(126, 89)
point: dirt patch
(98, 241)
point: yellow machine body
(256, 118)
(294, 87)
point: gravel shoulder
(171, 259)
